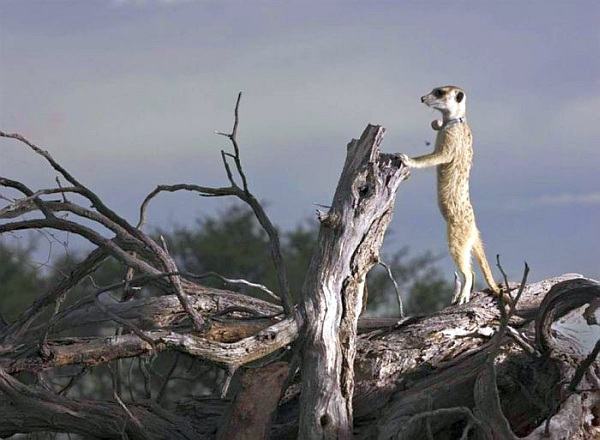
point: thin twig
(583, 367)
(505, 315)
(83, 190)
(229, 372)
(486, 389)
(122, 321)
(83, 269)
(89, 234)
(243, 194)
(62, 190)
(233, 138)
(238, 281)
(396, 288)
(163, 387)
(129, 385)
(457, 410)
(118, 399)
(227, 168)
(518, 337)
(142, 363)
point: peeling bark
(348, 246)
(99, 350)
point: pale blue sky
(127, 94)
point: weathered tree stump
(350, 236)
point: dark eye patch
(438, 93)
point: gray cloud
(592, 198)
(128, 97)
(150, 2)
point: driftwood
(466, 372)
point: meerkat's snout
(434, 99)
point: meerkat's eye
(438, 93)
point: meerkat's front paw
(407, 161)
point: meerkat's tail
(485, 267)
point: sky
(127, 94)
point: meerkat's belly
(453, 192)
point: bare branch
(121, 321)
(244, 195)
(93, 351)
(396, 288)
(583, 367)
(240, 282)
(83, 231)
(233, 138)
(228, 168)
(26, 409)
(202, 190)
(87, 266)
(83, 190)
(460, 411)
(229, 373)
(118, 399)
(163, 388)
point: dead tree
(348, 246)
(478, 371)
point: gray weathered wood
(431, 364)
(250, 414)
(350, 236)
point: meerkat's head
(450, 100)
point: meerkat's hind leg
(462, 293)
(460, 249)
(465, 292)
(462, 286)
(457, 288)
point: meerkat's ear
(459, 96)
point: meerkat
(453, 156)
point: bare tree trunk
(350, 236)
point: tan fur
(453, 156)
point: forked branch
(243, 193)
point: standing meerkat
(453, 156)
